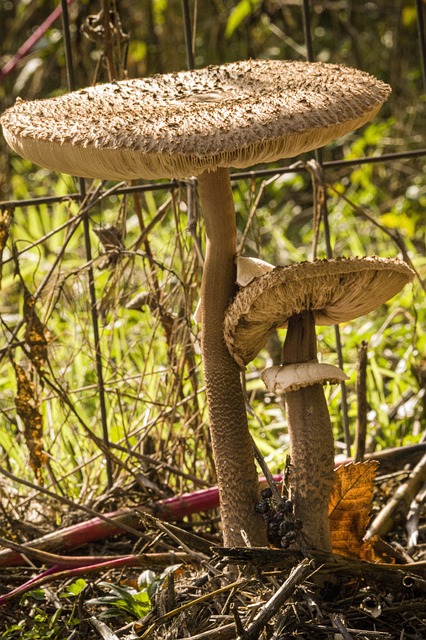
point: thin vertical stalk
(329, 250)
(188, 34)
(422, 37)
(88, 249)
(362, 404)
(307, 31)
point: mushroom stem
(311, 438)
(231, 442)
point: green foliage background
(155, 403)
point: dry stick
(59, 573)
(154, 284)
(317, 177)
(338, 622)
(225, 632)
(260, 459)
(75, 220)
(296, 577)
(399, 505)
(413, 518)
(67, 501)
(362, 405)
(102, 629)
(157, 464)
(207, 596)
(253, 212)
(193, 217)
(330, 563)
(107, 41)
(394, 236)
(175, 508)
(320, 213)
(89, 202)
(74, 562)
(195, 555)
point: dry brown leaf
(36, 333)
(28, 408)
(350, 507)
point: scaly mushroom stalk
(232, 446)
(311, 438)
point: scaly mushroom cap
(182, 124)
(336, 291)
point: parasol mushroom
(298, 297)
(200, 123)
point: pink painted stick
(31, 41)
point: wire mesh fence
(100, 361)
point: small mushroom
(303, 374)
(200, 123)
(322, 292)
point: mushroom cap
(181, 124)
(292, 377)
(335, 291)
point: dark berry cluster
(281, 525)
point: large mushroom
(200, 123)
(298, 297)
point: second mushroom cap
(335, 291)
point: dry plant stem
(231, 442)
(399, 505)
(362, 404)
(297, 576)
(311, 438)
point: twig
(400, 502)
(175, 508)
(226, 632)
(297, 575)
(186, 605)
(414, 516)
(102, 629)
(362, 404)
(31, 41)
(330, 563)
(75, 562)
(393, 235)
(58, 572)
(67, 501)
(253, 211)
(337, 621)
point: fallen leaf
(350, 507)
